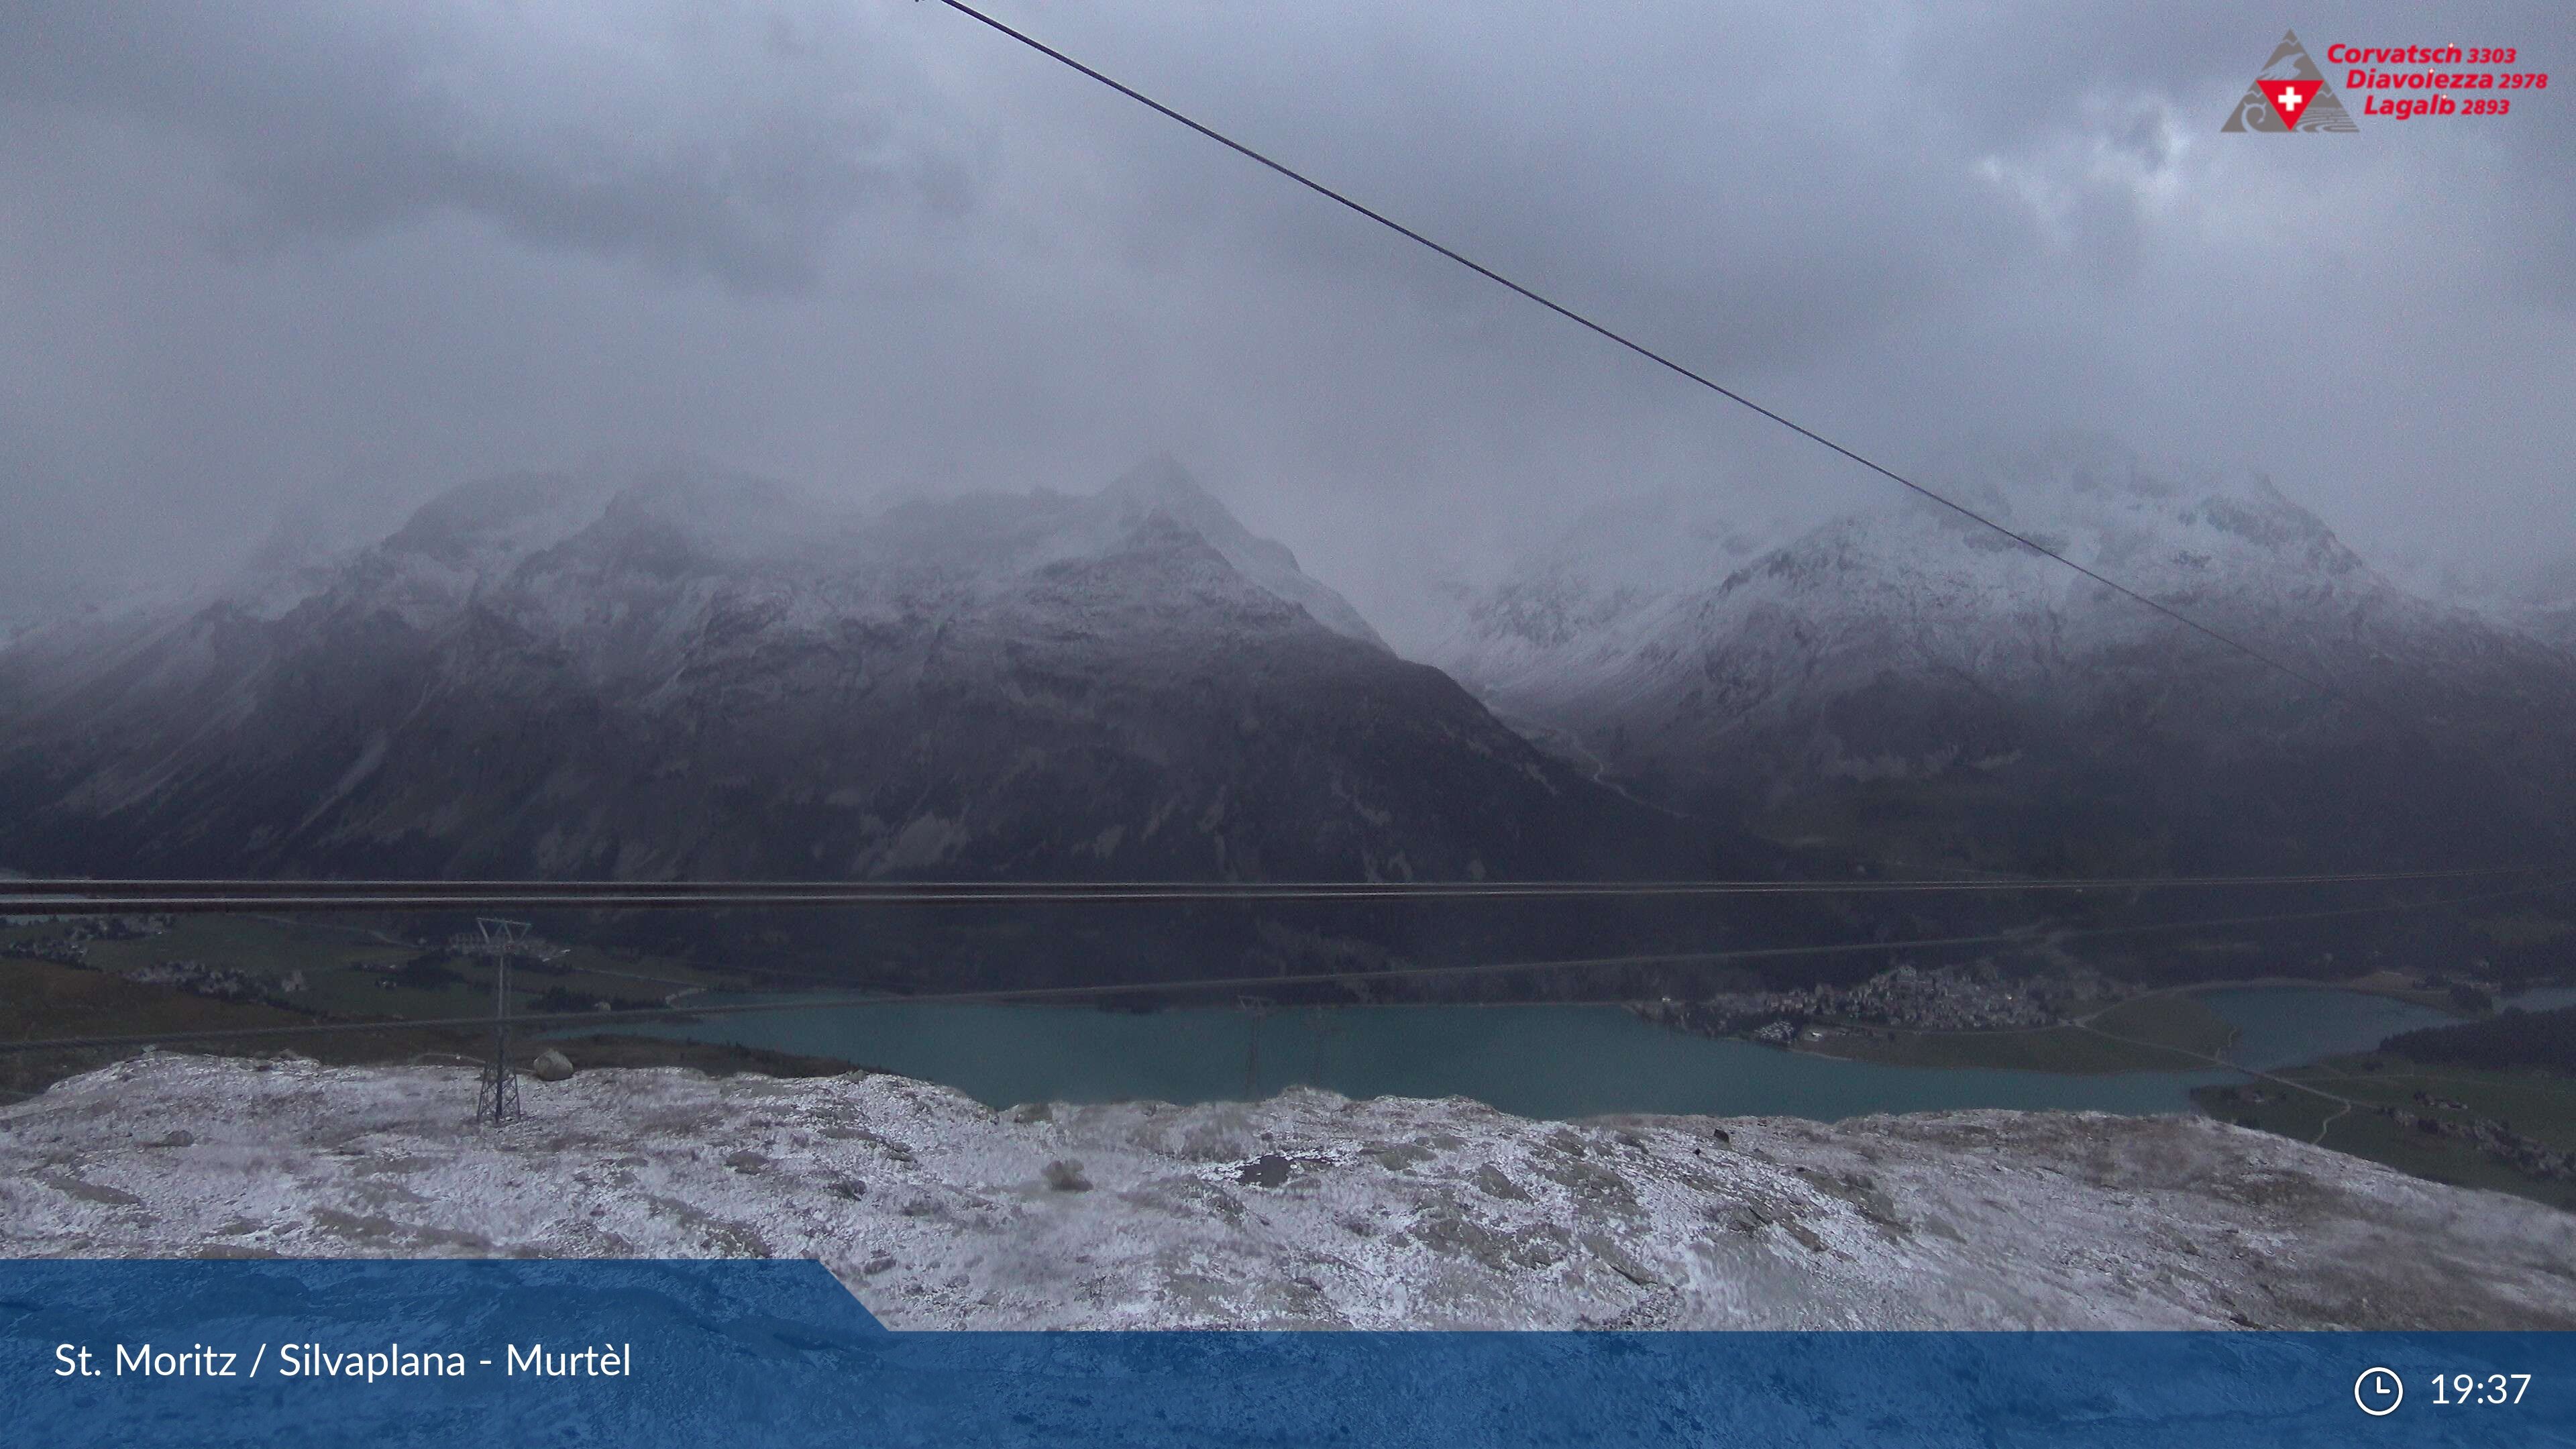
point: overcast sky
(282, 256)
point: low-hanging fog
(299, 261)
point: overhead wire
(1650, 354)
(67, 897)
(1250, 984)
(72, 896)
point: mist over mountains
(692, 674)
(1900, 675)
(681, 672)
(2545, 607)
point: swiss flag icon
(2289, 98)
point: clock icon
(2379, 1391)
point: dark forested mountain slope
(1902, 675)
(687, 674)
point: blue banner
(757, 1353)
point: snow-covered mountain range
(689, 673)
(679, 671)
(1903, 660)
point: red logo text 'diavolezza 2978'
(2400, 82)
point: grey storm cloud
(290, 256)
(696, 137)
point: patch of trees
(2512, 1039)
(427, 972)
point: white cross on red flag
(2289, 98)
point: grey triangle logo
(2290, 94)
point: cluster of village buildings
(1905, 996)
(70, 946)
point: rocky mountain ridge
(1904, 653)
(695, 674)
(1304, 1211)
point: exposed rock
(1270, 1169)
(1998, 1220)
(551, 1066)
(1490, 1181)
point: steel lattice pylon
(496, 1099)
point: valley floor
(1306, 1210)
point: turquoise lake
(1540, 1061)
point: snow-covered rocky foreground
(1308, 1210)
